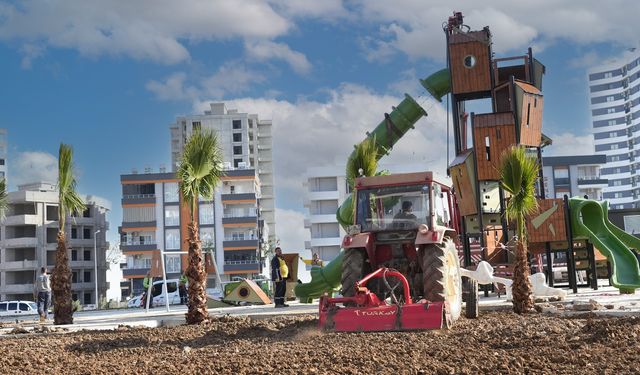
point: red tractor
(400, 269)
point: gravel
(495, 343)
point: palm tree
(3, 196)
(69, 201)
(518, 176)
(199, 172)
(363, 161)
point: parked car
(18, 308)
(158, 297)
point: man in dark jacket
(279, 273)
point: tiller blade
(365, 312)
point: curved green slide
(628, 239)
(393, 127)
(589, 220)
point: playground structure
(513, 85)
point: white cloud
(328, 9)
(580, 145)
(30, 52)
(291, 230)
(145, 29)
(266, 50)
(415, 27)
(33, 166)
(229, 79)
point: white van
(18, 308)
(172, 291)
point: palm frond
(365, 157)
(518, 176)
(69, 199)
(200, 169)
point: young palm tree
(199, 172)
(363, 161)
(518, 176)
(69, 202)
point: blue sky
(108, 77)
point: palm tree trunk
(61, 284)
(197, 279)
(521, 288)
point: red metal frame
(372, 314)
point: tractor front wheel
(471, 302)
(441, 275)
(353, 270)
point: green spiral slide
(393, 127)
(589, 220)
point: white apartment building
(326, 188)
(29, 233)
(574, 176)
(155, 219)
(246, 143)
(3, 153)
(615, 111)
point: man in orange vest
(279, 274)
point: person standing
(145, 284)
(182, 289)
(43, 290)
(279, 274)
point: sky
(109, 77)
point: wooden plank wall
(530, 134)
(500, 129)
(493, 253)
(552, 229)
(468, 80)
(463, 188)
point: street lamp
(95, 265)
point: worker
(405, 217)
(182, 289)
(145, 284)
(279, 274)
(316, 261)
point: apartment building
(29, 233)
(574, 176)
(614, 91)
(246, 143)
(155, 219)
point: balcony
(138, 246)
(76, 264)
(128, 225)
(239, 198)
(19, 265)
(138, 198)
(17, 288)
(253, 244)
(22, 220)
(322, 218)
(131, 272)
(21, 242)
(592, 182)
(326, 241)
(249, 220)
(561, 181)
(323, 195)
(242, 266)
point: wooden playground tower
(514, 87)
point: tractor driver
(405, 217)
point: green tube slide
(401, 119)
(589, 221)
(323, 279)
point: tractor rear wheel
(441, 275)
(353, 270)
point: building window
(87, 276)
(171, 192)
(74, 255)
(236, 162)
(617, 195)
(611, 110)
(237, 124)
(86, 233)
(613, 135)
(237, 137)
(612, 122)
(208, 237)
(205, 214)
(87, 255)
(561, 173)
(173, 263)
(237, 150)
(617, 183)
(614, 147)
(74, 232)
(172, 216)
(632, 224)
(608, 74)
(196, 126)
(87, 298)
(172, 239)
(610, 98)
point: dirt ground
(496, 343)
